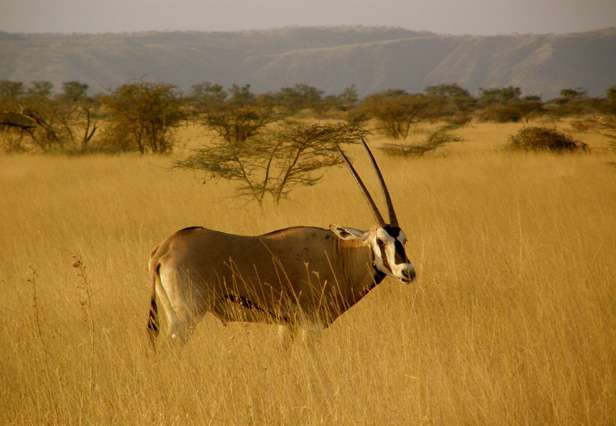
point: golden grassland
(512, 319)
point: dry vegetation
(512, 319)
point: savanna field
(512, 319)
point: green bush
(501, 114)
(142, 117)
(545, 139)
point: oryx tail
(153, 322)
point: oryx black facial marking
(399, 239)
(394, 231)
(383, 256)
(400, 252)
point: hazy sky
(444, 16)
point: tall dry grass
(512, 319)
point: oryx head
(386, 241)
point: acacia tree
(235, 115)
(274, 162)
(31, 118)
(38, 105)
(78, 113)
(298, 97)
(499, 96)
(14, 126)
(236, 124)
(11, 93)
(142, 117)
(397, 111)
(433, 139)
(571, 102)
(35, 118)
(206, 96)
(301, 150)
(507, 104)
(239, 119)
(451, 102)
(347, 99)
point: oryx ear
(346, 233)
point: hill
(372, 58)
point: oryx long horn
(375, 209)
(390, 206)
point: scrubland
(512, 319)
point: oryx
(285, 276)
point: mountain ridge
(330, 58)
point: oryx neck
(358, 266)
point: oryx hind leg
(181, 304)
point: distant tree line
(143, 116)
(269, 143)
